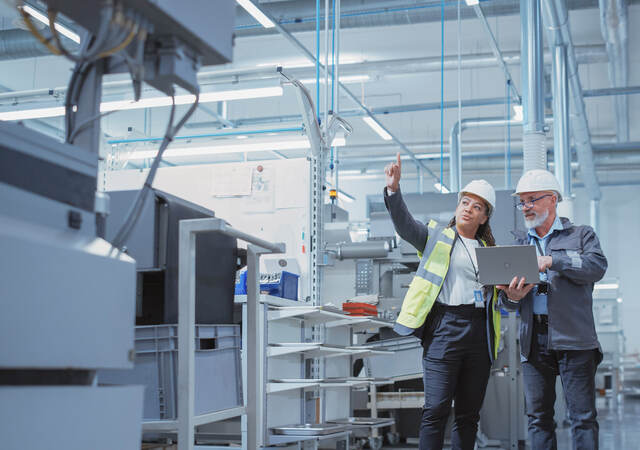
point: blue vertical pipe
(318, 59)
(441, 93)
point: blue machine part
(279, 284)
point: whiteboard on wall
(268, 199)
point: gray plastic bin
(406, 359)
(218, 375)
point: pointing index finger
(399, 159)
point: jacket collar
(521, 235)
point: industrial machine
(67, 296)
(154, 245)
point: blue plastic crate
(283, 284)
(241, 283)
(286, 286)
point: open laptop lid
(498, 265)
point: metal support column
(256, 376)
(316, 226)
(186, 337)
(514, 375)
(561, 133)
(535, 154)
(595, 215)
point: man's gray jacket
(578, 262)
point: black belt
(466, 310)
(541, 319)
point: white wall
(619, 219)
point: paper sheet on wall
(291, 191)
(262, 198)
(231, 181)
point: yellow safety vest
(426, 285)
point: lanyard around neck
(475, 271)
(535, 239)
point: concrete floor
(619, 430)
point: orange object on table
(360, 309)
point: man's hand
(516, 290)
(393, 171)
(544, 262)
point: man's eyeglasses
(529, 204)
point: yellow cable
(32, 28)
(122, 45)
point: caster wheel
(393, 438)
(375, 443)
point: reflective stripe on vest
(426, 285)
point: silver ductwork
(556, 19)
(455, 142)
(613, 24)
(299, 15)
(533, 140)
(561, 132)
(15, 44)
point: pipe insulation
(361, 250)
(15, 44)
(535, 153)
(556, 19)
(613, 24)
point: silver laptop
(498, 265)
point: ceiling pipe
(561, 132)
(532, 67)
(556, 19)
(16, 43)
(455, 137)
(496, 52)
(613, 24)
(587, 54)
(486, 160)
(299, 16)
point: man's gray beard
(537, 221)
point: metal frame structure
(253, 407)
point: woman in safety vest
(456, 318)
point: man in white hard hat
(557, 331)
(456, 317)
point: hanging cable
(34, 30)
(136, 208)
(508, 161)
(333, 75)
(318, 58)
(441, 93)
(459, 162)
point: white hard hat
(482, 189)
(538, 180)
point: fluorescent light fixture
(472, 2)
(518, 115)
(346, 79)
(302, 63)
(256, 13)
(150, 102)
(377, 128)
(39, 113)
(619, 299)
(248, 147)
(441, 188)
(45, 20)
(607, 286)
